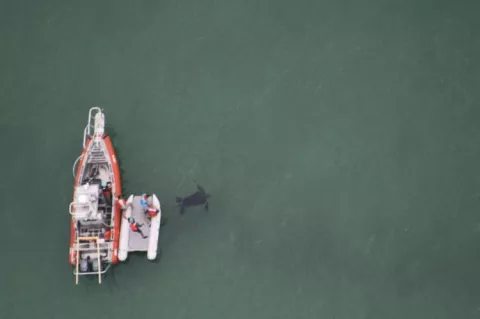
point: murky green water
(340, 141)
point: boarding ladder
(102, 248)
(77, 272)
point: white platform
(131, 241)
(135, 241)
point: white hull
(154, 230)
(131, 241)
(125, 231)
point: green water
(340, 141)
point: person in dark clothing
(135, 227)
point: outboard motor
(83, 265)
(95, 265)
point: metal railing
(87, 130)
(102, 243)
(73, 205)
(92, 272)
(91, 116)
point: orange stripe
(77, 179)
(118, 193)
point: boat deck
(135, 240)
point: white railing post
(77, 261)
(88, 128)
(99, 263)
